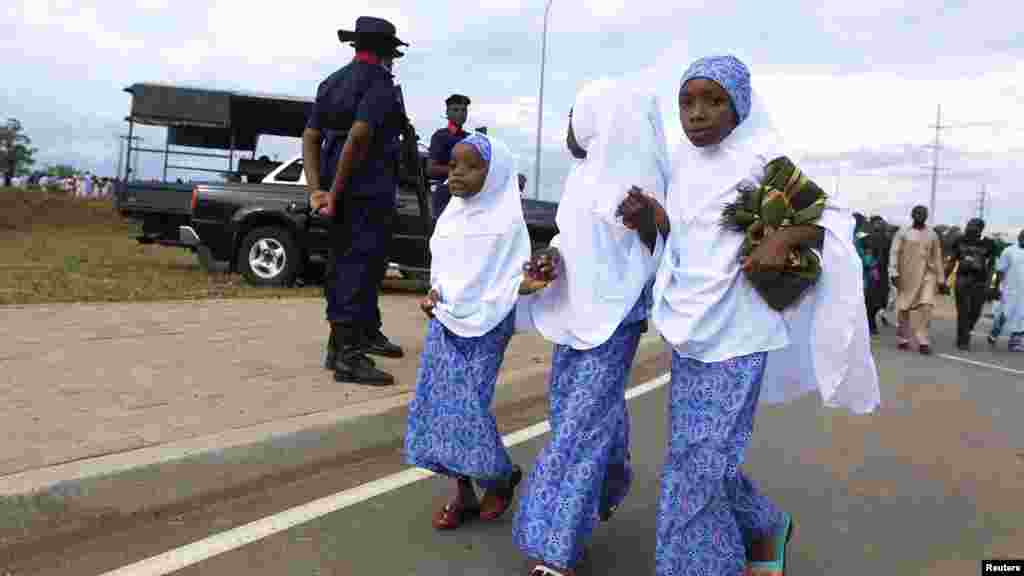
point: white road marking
(982, 364)
(228, 540)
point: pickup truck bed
(161, 207)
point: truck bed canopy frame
(211, 119)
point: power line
(937, 147)
(935, 159)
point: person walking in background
(916, 270)
(877, 290)
(1010, 277)
(441, 145)
(973, 257)
(869, 261)
(87, 185)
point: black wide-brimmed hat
(457, 99)
(371, 28)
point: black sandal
(504, 495)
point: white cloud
(153, 5)
(516, 113)
(856, 84)
(63, 23)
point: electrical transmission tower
(935, 160)
(937, 147)
(982, 201)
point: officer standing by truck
(441, 145)
(350, 153)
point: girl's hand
(770, 254)
(543, 266)
(318, 199)
(531, 285)
(427, 304)
(323, 203)
(638, 210)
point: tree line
(16, 151)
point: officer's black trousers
(970, 301)
(360, 237)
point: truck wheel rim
(267, 258)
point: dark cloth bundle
(786, 197)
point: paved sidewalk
(81, 381)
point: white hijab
(829, 346)
(478, 249)
(605, 264)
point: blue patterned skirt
(709, 510)
(585, 465)
(451, 429)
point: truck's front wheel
(268, 257)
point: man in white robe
(1010, 277)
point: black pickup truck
(266, 232)
(259, 220)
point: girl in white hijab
(594, 312)
(477, 251)
(730, 349)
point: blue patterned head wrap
(481, 143)
(729, 73)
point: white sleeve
(659, 252)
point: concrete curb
(62, 500)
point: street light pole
(935, 161)
(540, 100)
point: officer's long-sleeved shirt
(359, 91)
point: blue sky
(853, 86)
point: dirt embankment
(57, 248)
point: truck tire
(268, 257)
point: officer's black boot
(378, 344)
(331, 358)
(352, 364)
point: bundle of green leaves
(786, 197)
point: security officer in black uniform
(441, 145)
(977, 258)
(355, 123)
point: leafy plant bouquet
(786, 197)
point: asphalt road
(931, 484)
